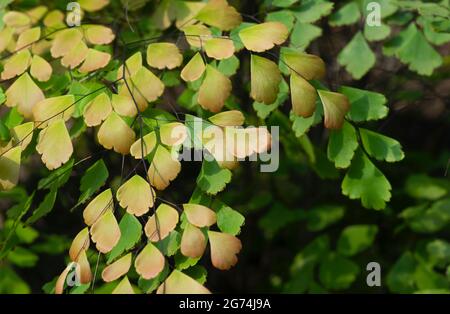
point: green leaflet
(412, 48)
(15, 229)
(283, 3)
(439, 251)
(44, 208)
(131, 231)
(364, 181)
(93, 179)
(303, 34)
(213, 179)
(301, 125)
(229, 220)
(365, 105)
(342, 145)
(10, 282)
(424, 187)
(57, 177)
(355, 239)
(357, 57)
(229, 66)
(170, 244)
(428, 219)
(387, 7)
(285, 16)
(302, 268)
(2, 96)
(197, 272)
(279, 217)
(312, 10)
(323, 216)
(376, 33)
(346, 15)
(400, 278)
(337, 272)
(22, 257)
(381, 147)
(430, 32)
(182, 262)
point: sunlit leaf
(92, 6)
(179, 283)
(214, 90)
(163, 168)
(173, 133)
(147, 84)
(105, 232)
(16, 19)
(310, 67)
(265, 80)
(97, 207)
(84, 267)
(80, 243)
(136, 196)
(124, 105)
(335, 107)
(143, 147)
(197, 35)
(193, 69)
(199, 215)
(219, 48)
(59, 286)
(224, 249)
(115, 133)
(40, 69)
(117, 269)
(17, 64)
(303, 96)
(6, 35)
(98, 34)
(132, 65)
(97, 110)
(160, 224)
(24, 94)
(27, 38)
(220, 14)
(94, 60)
(264, 36)
(75, 56)
(23, 134)
(164, 55)
(193, 242)
(228, 118)
(55, 145)
(149, 262)
(65, 41)
(124, 287)
(51, 109)
(10, 167)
